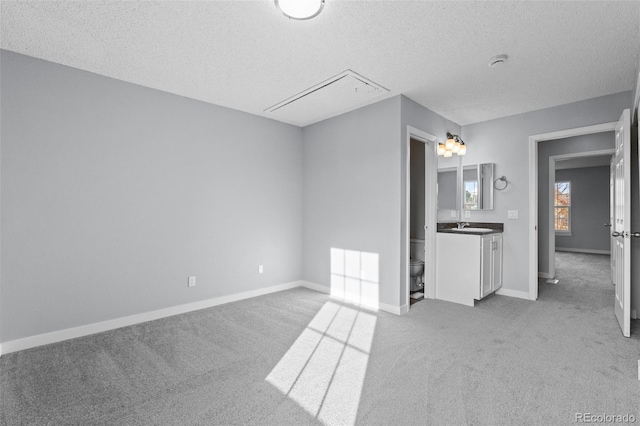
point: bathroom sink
(474, 230)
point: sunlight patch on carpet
(325, 368)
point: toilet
(416, 270)
(416, 265)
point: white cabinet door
(486, 265)
(497, 262)
(490, 264)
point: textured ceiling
(246, 55)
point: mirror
(477, 186)
(447, 188)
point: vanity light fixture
(300, 9)
(453, 145)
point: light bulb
(462, 150)
(456, 147)
(450, 144)
(448, 154)
(441, 149)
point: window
(471, 195)
(562, 207)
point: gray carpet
(296, 358)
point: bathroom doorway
(416, 220)
(420, 218)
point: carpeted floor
(296, 357)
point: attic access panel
(336, 95)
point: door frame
(552, 178)
(533, 190)
(431, 176)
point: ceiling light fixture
(453, 145)
(300, 9)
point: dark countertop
(449, 228)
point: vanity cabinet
(468, 267)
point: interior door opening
(578, 208)
(621, 213)
(420, 217)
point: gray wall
(354, 190)
(546, 149)
(351, 196)
(505, 142)
(113, 194)
(589, 208)
(417, 188)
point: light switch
(467, 214)
(512, 214)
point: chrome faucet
(461, 225)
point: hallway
(584, 282)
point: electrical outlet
(453, 213)
(192, 281)
(261, 269)
(512, 214)
(467, 214)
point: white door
(612, 206)
(621, 229)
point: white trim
(579, 250)
(514, 293)
(313, 286)
(545, 275)
(636, 101)
(404, 309)
(533, 190)
(396, 310)
(430, 218)
(98, 327)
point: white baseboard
(578, 250)
(396, 310)
(313, 286)
(514, 293)
(85, 330)
(99, 327)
